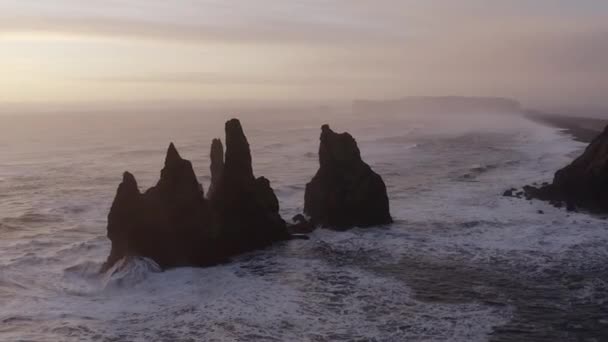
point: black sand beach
(581, 128)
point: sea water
(460, 263)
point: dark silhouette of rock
(264, 193)
(217, 165)
(166, 223)
(509, 193)
(299, 218)
(300, 225)
(583, 183)
(247, 209)
(124, 213)
(345, 192)
(175, 225)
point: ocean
(460, 263)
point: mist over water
(460, 263)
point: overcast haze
(545, 53)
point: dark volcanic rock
(164, 222)
(172, 222)
(265, 195)
(509, 193)
(299, 218)
(247, 209)
(124, 213)
(583, 183)
(300, 225)
(345, 192)
(217, 165)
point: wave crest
(129, 272)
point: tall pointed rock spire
(178, 176)
(217, 165)
(238, 155)
(172, 157)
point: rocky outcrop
(125, 211)
(583, 183)
(217, 165)
(345, 192)
(175, 225)
(247, 209)
(300, 225)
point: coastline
(580, 128)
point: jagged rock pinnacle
(129, 182)
(172, 155)
(175, 225)
(238, 155)
(217, 165)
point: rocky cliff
(583, 183)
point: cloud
(542, 49)
(264, 20)
(297, 21)
(216, 78)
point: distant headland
(439, 105)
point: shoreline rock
(582, 184)
(300, 225)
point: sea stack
(217, 165)
(246, 208)
(345, 192)
(582, 184)
(175, 225)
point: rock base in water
(300, 225)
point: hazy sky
(540, 51)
